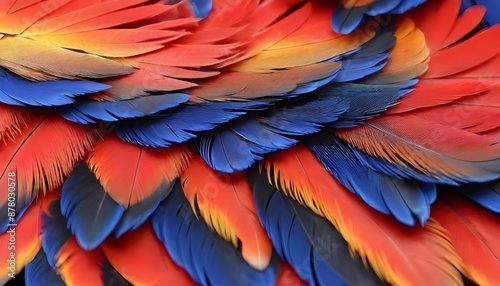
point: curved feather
(90, 212)
(407, 200)
(142, 259)
(445, 152)
(473, 231)
(217, 261)
(398, 254)
(309, 243)
(12, 120)
(89, 111)
(15, 90)
(41, 156)
(225, 202)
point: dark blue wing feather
(206, 256)
(39, 273)
(91, 213)
(15, 90)
(89, 111)
(485, 194)
(407, 200)
(312, 246)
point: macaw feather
(398, 254)
(225, 202)
(12, 120)
(128, 252)
(39, 271)
(473, 232)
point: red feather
(132, 173)
(142, 259)
(474, 232)
(226, 203)
(399, 254)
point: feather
(407, 200)
(138, 189)
(225, 202)
(21, 242)
(473, 233)
(39, 272)
(398, 254)
(446, 152)
(90, 212)
(88, 111)
(40, 157)
(486, 194)
(314, 248)
(39, 61)
(276, 129)
(140, 266)
(12, 120)
(15, 90)
(201, 8)
(217, 261)
(64, 254)
(491, 18)
(182, 123)
(287, 276)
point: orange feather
(12, 120)
(474, 233)
(399, 254)
(43, 154)
(148, 169)
(142, 259)
(225, 202)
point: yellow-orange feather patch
(130, 173)
(226, 203)
(400, 254)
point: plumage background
(250, 142)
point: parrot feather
(225, 202)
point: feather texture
(225, 202)
(300, 175)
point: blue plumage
(39, 273)
(182, 123)
(54, 232)
(89, 111)
(311, 245)
(91, 213)
(15, 90)
(137, 214)
(250, 137)
(485, 194)
(408, 201)
(206, 256)
(345, 20)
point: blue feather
(407, 200)
(182, 123)
(91, 213)
(485, 194)
(201, 8)
(89, 111)
(206, 256)
(15, 90)
(137, 214)
(241, 143)
(39, 273)
(312, 246)
(54, 232)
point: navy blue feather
(310, 244)
(182, 123)
(407, 200)
(54, 232)
(91, 213)
(209, 259)
(16, 90)
(89, 111)
(239, 144)
(137, 214)
(485, 194)
(39, 273)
